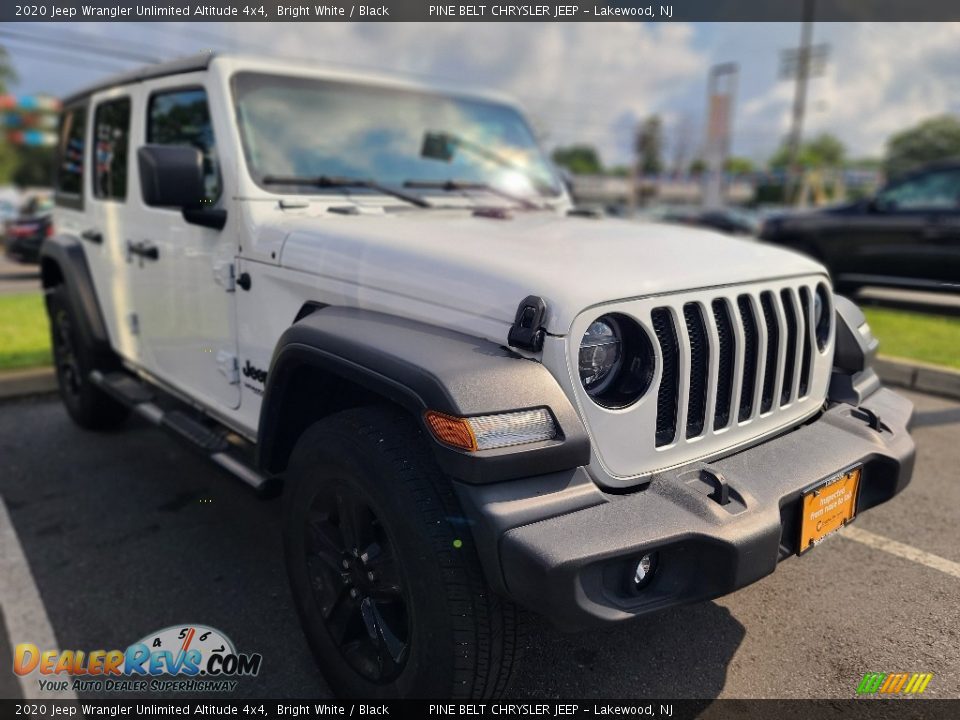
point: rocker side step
(123, 387)
(196, 432)
(213, 442)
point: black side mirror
(171, 176)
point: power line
(98, 40)
(78, 46)
(63, 58)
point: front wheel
(382, 567)
(74, 360)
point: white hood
(485, 266)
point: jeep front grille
(733, 364)
(773, 351)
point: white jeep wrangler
(476, 399)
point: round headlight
(822, 314)
(616, 361)
(600, 355)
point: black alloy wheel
(357, 583)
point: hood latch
(527, 332)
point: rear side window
(182, 117)
(111, 132)
(70, 154)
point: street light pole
(799, 97)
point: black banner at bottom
(853, 709)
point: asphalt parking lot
(131, 532)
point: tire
(74, 360)
(363, 488)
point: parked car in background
(26, 233)
(8, 211)
(731, 221)
(907, 235)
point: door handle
(94, 236)
(144, 250)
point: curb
(35, 381)
(918, 376)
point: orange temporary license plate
(828, 507)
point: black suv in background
(908, 235)
(25, 234)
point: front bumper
(563, 548)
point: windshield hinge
(225, 273)
(527, 332)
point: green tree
(739, 166)
(649, 146)
(34, 167)
(578, 159)
(937, 138)
(698, 166)
(823, 151)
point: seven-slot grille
(746, 355)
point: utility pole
(801, 64)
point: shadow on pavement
(637, 659)
(9, 686)
(936, 417)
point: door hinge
(225, 273)
(229, 366)
(133, 322)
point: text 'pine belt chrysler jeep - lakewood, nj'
(378, 297)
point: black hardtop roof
(179, 66)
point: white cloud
(882, 77)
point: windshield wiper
(451, 185)
(328, 181)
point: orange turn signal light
(451, 430)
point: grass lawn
(24, 333)
(933, 339)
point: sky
(579, 82)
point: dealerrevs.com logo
(887, 684)
(180, 658)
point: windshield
(307, 127)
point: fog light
(644, 570)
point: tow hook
(870, 418)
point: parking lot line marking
(24, 612)
(900, 550)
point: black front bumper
(566, 550)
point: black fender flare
(421, 367)
(63, 261)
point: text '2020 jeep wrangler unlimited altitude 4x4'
(376, 293)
